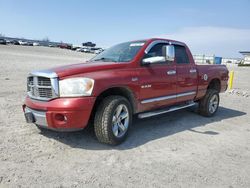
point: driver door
(157, 81)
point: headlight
(74, 87)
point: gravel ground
(179, 149)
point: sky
(208, 27)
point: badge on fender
(205, 77)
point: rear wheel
(112, 120)
(209, 104)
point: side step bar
(163, 111)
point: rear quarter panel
(206, 73)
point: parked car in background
(97, 50)
(144, 77)
(83, 49)
(7, 41)
(29, 43)
(75, 47)
(52, 45)
(23, 42)
(3, 41)
(79, 49)
(92, 50)
(15, 42)
(65, 46)
(36, 44)
(89, 44)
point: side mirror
(168, 52)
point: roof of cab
(164, 39)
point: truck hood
(87, 67)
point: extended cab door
(186, 75)
(157, 81)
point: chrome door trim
(158, 99)
(168, 97)
(186, 94)
(171, 72)
(192, 71)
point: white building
(231, 60)
(210, 59)
(246, 55)
(204, 59)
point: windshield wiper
(104, 59)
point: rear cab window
(181, 55)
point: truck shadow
(147, 130)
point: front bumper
(35, 116)
(62, 114)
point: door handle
(171, 72)
(192, 70)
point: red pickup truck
(144, 77)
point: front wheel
(209, 104)
(112, 120)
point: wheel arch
(215, 84)
(117, 90)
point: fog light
(60, 117)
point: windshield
(123, 52)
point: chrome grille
(42, 81)
(42, 88)
(45, 92)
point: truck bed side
(209, 74)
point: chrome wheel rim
(213, 103)
(120, 120)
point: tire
(211, 98)
(109, 127)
